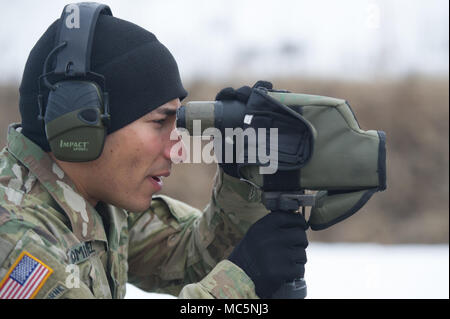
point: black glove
(242, 94)
(273, 251)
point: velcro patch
(25, 278)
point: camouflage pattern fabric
(93, 252)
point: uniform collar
(86, 223)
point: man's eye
(160, 121)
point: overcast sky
(228, 38)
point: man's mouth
(157, 178)
(156, 181)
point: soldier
(84, 229)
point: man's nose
(175, 150)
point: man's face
(134, 158)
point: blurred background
(389, 59)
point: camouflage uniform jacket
(89, 252)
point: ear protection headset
(76, 112)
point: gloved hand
(273, 251)
(242, 94)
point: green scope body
(347, 166)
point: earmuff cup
(73, 121)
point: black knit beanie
(140, 74)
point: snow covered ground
(347, 270)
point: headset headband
(76, 30)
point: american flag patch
(25, 277)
